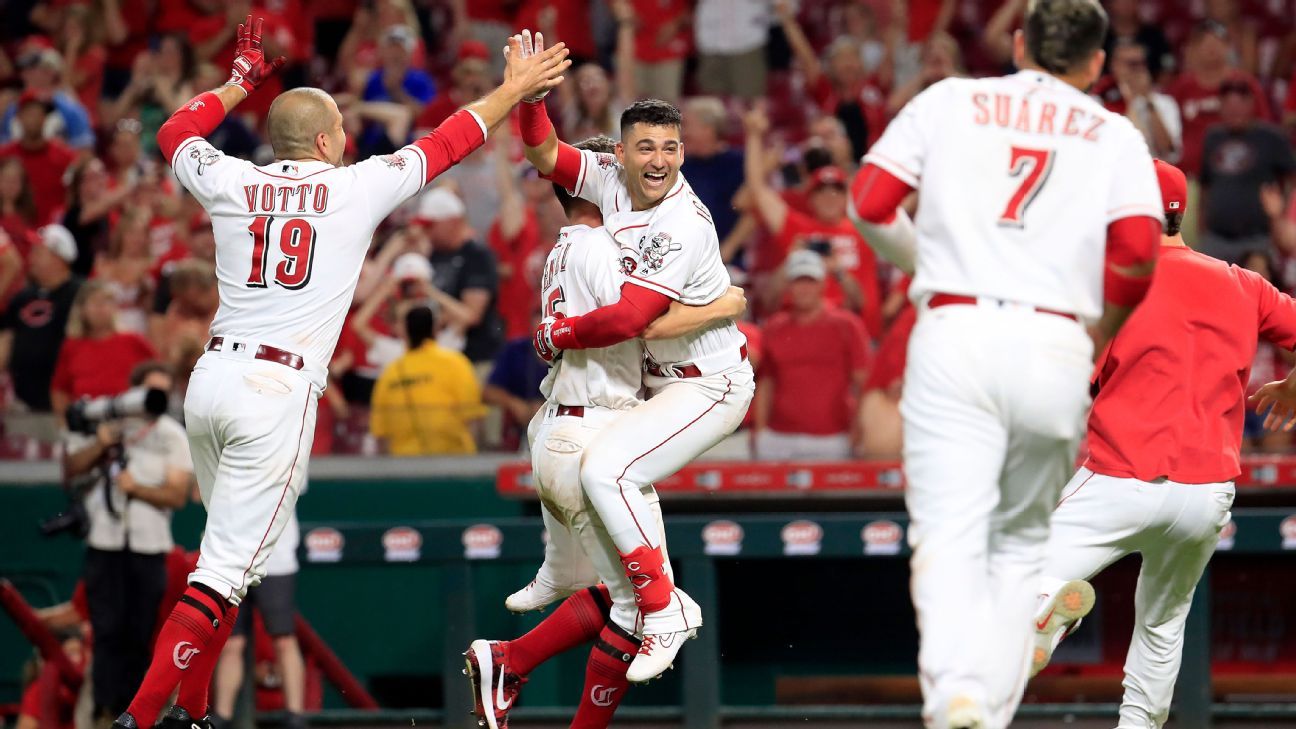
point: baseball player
(584, 391)
(1023, 181)
(290, 240)
(1164, 439)
(701, 384)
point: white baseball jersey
(583, 273)
(1017, 178)
(672, 249)
(291, 237)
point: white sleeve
(599, 181)
(668, 257)
(388, 180)
(902, 150)
(1134, 188)
(206, 172)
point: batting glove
(530, 47)
(250, 66)
(544, 338)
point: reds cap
(411, 265)
(59, 241)
(805, 264)
(829, 175)
(1174, 187)
(439, 203)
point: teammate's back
(291, 236)
(1171, 388)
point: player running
(701, 384)
(1164, 439)
(584, 390)
(1023, 181)
(290, 238)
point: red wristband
(533, 118)
(563, 334)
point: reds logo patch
(205, 157)
(628, 264)
(606, 161)
(394, 161)
(653, 254)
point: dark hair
(26, 202)
(144, 369)
(653, 113)
(419, 324)
(815, 157)
(1061, 34)
(1173, 222)
(601, 144)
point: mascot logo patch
(654, 252)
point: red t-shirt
(96, 367)
(812, 365)
(519, 273)
(45, 169)
(494, 11)
(437, 110)
(651, 16)
(848, 248)
(138, 15)
(1171, 385)
(1200, 108)
(571, 23)
(868, 95)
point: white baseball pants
(251, 424)
(682, 420)
(994, 403)
(580, 552)
(1175, 526)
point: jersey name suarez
(1018, 178)
(581, 274)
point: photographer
(130, 474)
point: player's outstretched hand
(531, 67)
(251, 69)
(1279, 398)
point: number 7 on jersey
(1033, 167)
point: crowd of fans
(105, 262)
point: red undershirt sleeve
(197, 118)
(615, 323)
(876, 194)
(1131, 242)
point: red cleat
(495, 686)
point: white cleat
(535, 596)
(1058, 618)
(664, 633)
(964, 713)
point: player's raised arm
(554, 159)
(203, 113)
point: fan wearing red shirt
(95, 359)
(1164, 439)
(44, 160)
(1197, 89)
(854, 282)
(815, 361)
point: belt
(269, 354)
(570, 411)
(686, 369)
(938, 300)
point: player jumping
(585, 390)
(1164, 439)
(1023, 181)
(701, 384)
(290, 240)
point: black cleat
(125, 721)
(177, 718)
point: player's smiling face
(651, 156)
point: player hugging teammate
(596, 458)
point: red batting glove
(552, 337)
(250, 66)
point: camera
(822, 246)
(85, 415)
(72, 520)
